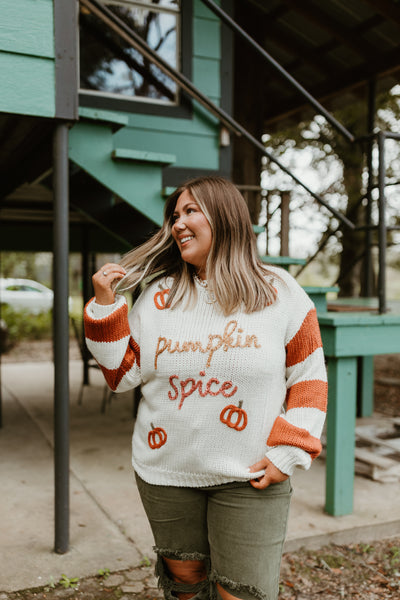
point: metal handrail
(375, 134)
(260, 50)
(379, 136)
(139, 44)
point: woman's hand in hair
(272, 474)
(103, 281)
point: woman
(229, 357)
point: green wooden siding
(27, 85)
(206, 38)
(206, 76)
(201, 10)
(27, 79)
(26, 27)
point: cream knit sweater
(218, 393)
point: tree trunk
(353, 242)
(352, 259)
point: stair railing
(379, 136)
(117, 25)
(285, 74)
(128, 34)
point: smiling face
(192, 232)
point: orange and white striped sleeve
(294, 439)
(108, 338)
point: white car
(25, 294)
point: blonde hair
(235, 275)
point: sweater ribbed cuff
(99, 311)
(286, 458)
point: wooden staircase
(126, 176)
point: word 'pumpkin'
(157, 437)
(234, 416)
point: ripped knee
(183, 575)
(186, 571)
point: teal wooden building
(136, 130)
(108, 105)
(132, 133)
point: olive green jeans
(237, 530)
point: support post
(382, 224)
(365, 386)
(368, 286)
(61, 337)
(1, 393)
(267, 201)
(1, 388)
(85, 295)
(285, 210)
(341, 422)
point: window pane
(108, 64)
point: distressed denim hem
(233, 586)
(200, 590)
(182, 555)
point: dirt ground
(356, 572)
(386, 392)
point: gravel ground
(356, 572)
(138, 583)
(359, 571)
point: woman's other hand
(272, 474)
(103, 280)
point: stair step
(333, 307)
(115, 119)
(318, 295)
(388, 381)
(318, 289)
(143, 156)
(91, 145)
(283, 260)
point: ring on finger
(105, 273)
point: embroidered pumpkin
(160, 299)
(234, 416)
(157, 437)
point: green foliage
(104, 573)
(366, 548)
(23, 325)
(395, 559)
(51, 584)
(67, 582)
(145, 562)
(332, 561)
(19, 264)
